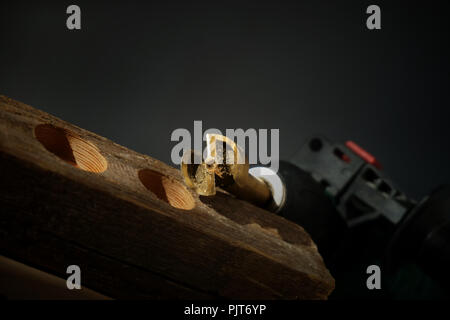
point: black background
(138, 70)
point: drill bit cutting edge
(226, 166)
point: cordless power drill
(357, 217)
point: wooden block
(69, 196)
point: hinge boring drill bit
(225, 166)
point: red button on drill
(363, 154)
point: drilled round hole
(170, 191)
(71, 148)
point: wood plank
(69, 196)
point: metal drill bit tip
(225, 166)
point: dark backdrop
(138, 70)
